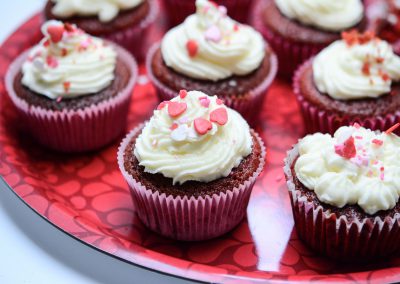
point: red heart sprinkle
(192, 47)
(347, 150)
(176, 108)
(183, 94)
(67, 86)
(220, 116)
(162, 105)
(174, 126)
(55, 33)
(202, 126)
(219, 102)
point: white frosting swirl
(368, 176)
(356, 71)
(106, 10)
(330, 15)
(73, 65)
(172, 146)
(221, 47)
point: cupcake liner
(325, 121)
(189, 218)
(178, 10)
(79, 130)
(340, 238)
(135, 38)
(249, 105)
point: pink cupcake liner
(135, 38)
(249, 106)
(340, 238)
(79, 130)
(291, 53)
(178, 10)
(325, 121)
(189, 218)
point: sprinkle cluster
(355, 149)
(180, 128)
(213, 33)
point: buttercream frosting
(330, 15)
(193, 137)
(68, 63)
(352, 69)
(355, 166)
(106, 10)
(209, 45)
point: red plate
(86, 197)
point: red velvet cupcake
(391, 31)
(352, 80)
(191, 168)
(345, 192)
(212, 53)
(72, 90)
(178, 10)
(125, 22)
(297, 29)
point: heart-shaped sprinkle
(51, 61)
(220, 116)
(219, 102)
(213, 34)
(202, 126)
(204, 101)
(67, 86)
(180, 133)
(182, 94)
(55, 33)
(162, 105)
(235, 27)
(174, 126)
(192, 47)
(346, 150)
(176, 108)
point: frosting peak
(355, 166)
(106, 10)
(331, 15)
(193, 137)
(68, 63)
(209, 45)
(359, 66)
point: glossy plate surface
(86, 196)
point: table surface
(35, 252)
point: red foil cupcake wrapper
(134, 39)
(249, 105)
(184, 218)
(318, 120)
(340, 238)
(178, 10)
(79, 130)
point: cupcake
(298, 29)
(191, 168)
(72, 89)
(178, 10)
(212, 53)
(355, 79)
(345, 192)
(125, 22)
(391, 31)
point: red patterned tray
(86, 197)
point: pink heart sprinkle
(220, 116)
(213, 34)
(183, 94)
(202, 126)
(204, 101)
(55, 33)
(176, 108)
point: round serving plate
(86, 197)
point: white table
(32, 250)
